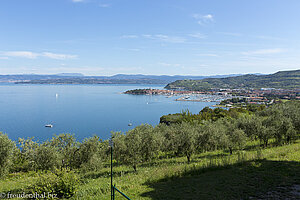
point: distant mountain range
(281, 79)
(77, 78)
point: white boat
(49, 125)
(130, 124)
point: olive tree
(134, 147)
(152, 141)
(89, 154)
(66, 146)
(27, 154)
(186, 139)
(235, 138)
(45, 157)
(168, 135)
(7, 147)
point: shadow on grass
(249, 180)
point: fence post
(111, 170)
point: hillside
(77, 78)
(281, 79)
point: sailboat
(49, 125)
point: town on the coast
(226, 97)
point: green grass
(247, 174)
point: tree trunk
(134, 167)
(288, 139)
(230, 150)
(188, 158)
(266, 143)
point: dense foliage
(209, 130)
(59, 183)
(6, 151)
(283, 80)
(209, 114)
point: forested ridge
(279, 80)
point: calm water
(83, 110)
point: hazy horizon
(70, 73)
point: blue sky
(186, 37)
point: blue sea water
(82, 110)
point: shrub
(62, 183)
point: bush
(61, 183)
(6, 150)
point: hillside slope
(281, 79)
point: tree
(66, 146)
(211, 136)
(133, 142)
(186, 139)
(45, 157)
(89, 154)
(6, 151)
(27, 153)
(169, 137)
(235, 138)
(152, 141)
(119, 146)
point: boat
(130, 124)
(49, 125)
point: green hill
(281, 79)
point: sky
(171, 37)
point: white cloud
(58, 56)
(197, 35)
(23, 54)
(129, 36)
(147, 36)
(3, 58)
(166, 38)
(264, 51)
(203, 19)
(33, 55)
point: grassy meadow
(255, 173)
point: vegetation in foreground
(248, 155)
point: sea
(82, 110)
